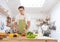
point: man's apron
(21, 26)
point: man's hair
(21, 7)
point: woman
(45, 29)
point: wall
(13, 5)
(55, 16)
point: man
(23, 23)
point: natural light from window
(32, 3)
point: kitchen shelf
(2, 10)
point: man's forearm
(28, 24)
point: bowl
(3, 35)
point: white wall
(13, 5)
(55, 16)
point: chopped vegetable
(30, 35)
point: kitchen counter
(24, 39)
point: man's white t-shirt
(25, 16)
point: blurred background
(36, 9)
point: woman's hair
(44, 22)
(8, 17)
